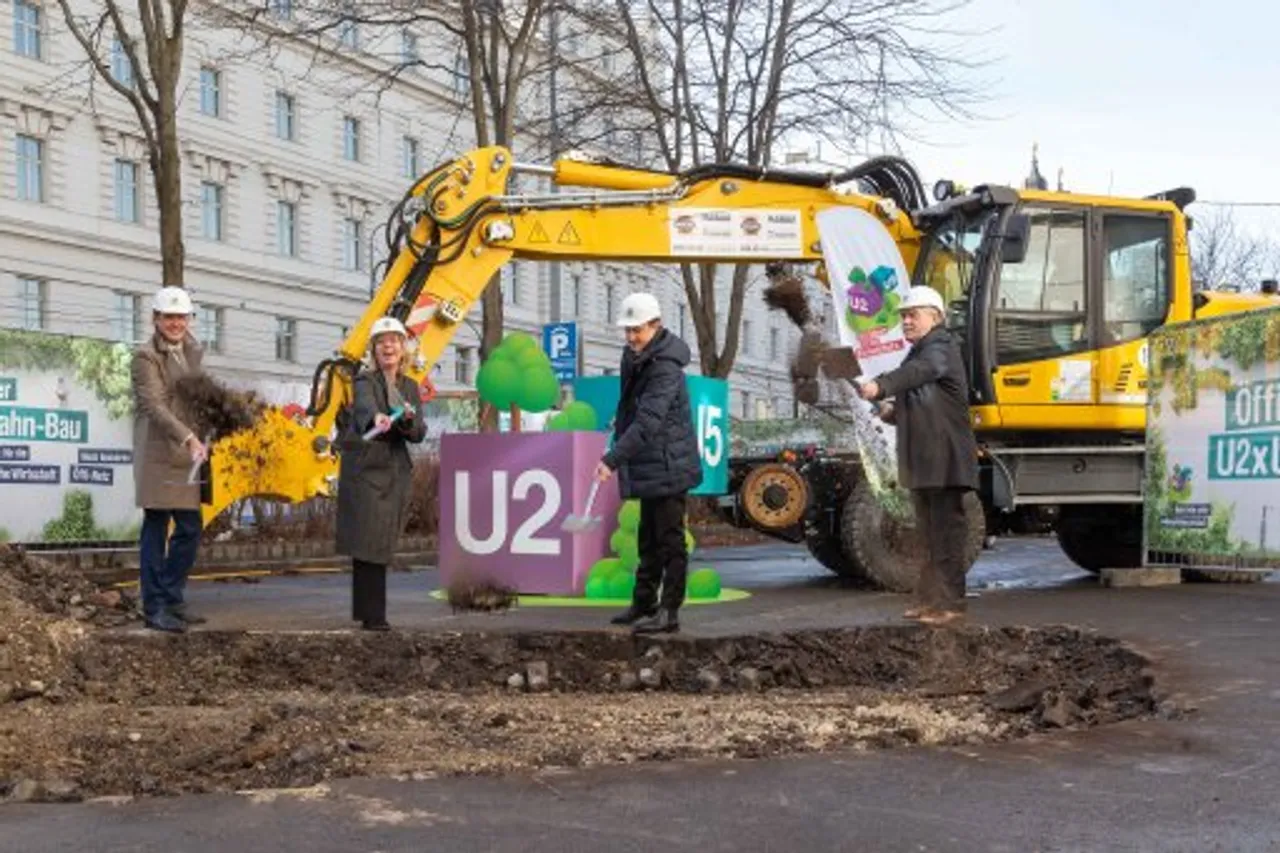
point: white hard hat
(923, 297)
(638, 309)
(172, 300)
(383, 325)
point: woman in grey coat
(375, 474)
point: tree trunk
(168, 179)
(715, 361)
(490, 337)
(515, 418)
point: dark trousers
(368, 592)
(164, 561)
(664, 561)
(940, 518)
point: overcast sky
(1135, 96)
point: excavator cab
(1052, 296)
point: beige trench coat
(161, 463)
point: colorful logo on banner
(869, 282)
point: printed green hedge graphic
(614, 577)
(102, 366)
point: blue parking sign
(560, 343)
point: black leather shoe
(664, 622)
(632, 615)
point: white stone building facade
(287, 179)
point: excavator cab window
(949, 263)
(1041, 302)
(1135, 275)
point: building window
(746, 405)
(461, 74)
(26, 29)
(680, 319)
(575, 288)
(510, 283)
(121, 68)
(409, 152)
(211, 92)
(774, 337)
(128, 195)
(408, 47)
(286, 116)
(127, 323)
(352, 251)
(746, 337)
(286, 339)
(287, 228)
(348, 33)
(351, 138)
(282, 9)
(211, 326)
(34, 295)
(211, 211)
(30, 153)
(462, 365)
(610, 307)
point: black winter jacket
(655, 451)
(936, 447)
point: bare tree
(150, 40)
(1225, 256)
(501, 57)
(732, 81)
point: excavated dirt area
(88, 711)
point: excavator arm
(458, 225)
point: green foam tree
(518, 376)
(578, 416)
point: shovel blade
(579, 524)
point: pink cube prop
(503, 498)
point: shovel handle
(374, 432)
(591, 496)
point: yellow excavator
(1052, 294)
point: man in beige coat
(165, 448)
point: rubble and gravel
(88, 712)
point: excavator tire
(826, 549)
(890, 551)
(1101, 537)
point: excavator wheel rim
(774, 474)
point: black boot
(665, 621)
(633, 614)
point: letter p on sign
(561, 346)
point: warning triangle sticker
(569, 235)
(539, 234)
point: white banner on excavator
(716, 232)
(868, 281)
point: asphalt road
(1206, 782)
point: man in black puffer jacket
(655, 454)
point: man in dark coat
(655, 454)
(937, 452)
(375, 474)
(165, 447)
